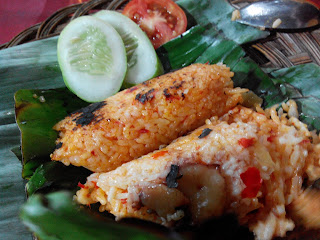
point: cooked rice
(276, 23)
(139, 120)
(282, 152)
(235, 15)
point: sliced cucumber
(143, 62)
(92, 58)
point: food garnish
(173, 176)
(253, 181)
(205, 132)
(142, 60)
(161, 20)
(92, 58)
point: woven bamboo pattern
(284, 49)
(288, 49)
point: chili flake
(82, 185)
(253, 181)
(159, 154)
(305, 141)
(144, 130)
(271, 138)
(95, 184)
(246, 142)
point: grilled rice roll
(138, 120)
(244, 163)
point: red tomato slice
(161, 20)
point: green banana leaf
(55, 217)
(54, 176)
(218, 13)
(51, 176)
(249, 75)
(200, 44)
(301, 83)
(214, 38)
(37, 111)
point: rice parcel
(139, 120)
(246, 163)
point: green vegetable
(249, 75)
(32, 65)
(55, 176)
(215, 37)
(56, 217)
(92, 58)
(218, 14)
(37, 111)
(302, 84)
(143, 62)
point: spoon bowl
(280, 14)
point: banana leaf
(200, 44)
(33, 65)
(249, 75)
(218, 13)
(54, 176)
(42, 213)
(212, 39)
(12, 194)
(48, 176)
(302, 84)
(56, 217)
(37, 111)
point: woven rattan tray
(281, 49)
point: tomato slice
(161, 20)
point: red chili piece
(143, 130)
(304, 141)
(95, 184)
(252, 179)
(81, 185)
(159, 154)
(271, 138)
(246, 142)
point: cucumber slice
(92, 58)
(143, 62)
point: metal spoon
(280, 14)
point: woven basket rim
(281, 49)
